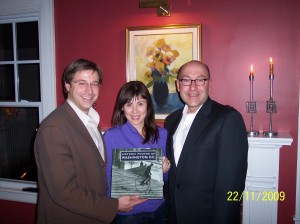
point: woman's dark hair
(129, 91)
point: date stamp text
(256, 196)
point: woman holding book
(134, 127)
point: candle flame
(271, 67)
(251, 71)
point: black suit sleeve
(232, 152)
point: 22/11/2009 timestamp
(256, 196)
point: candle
(271, 67)
(251, 71)
(251, 79)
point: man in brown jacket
(70, 156)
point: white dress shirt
(91, 122)
(182, 131)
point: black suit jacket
(213, 163)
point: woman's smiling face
(135, 111)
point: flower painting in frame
(154, 54)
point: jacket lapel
(200, 122)
(175, 121)
(80, 127)
(104, 147)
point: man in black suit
(208, 148)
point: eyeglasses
(188, 82)
(84, 84)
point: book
(137, 171)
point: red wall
(16, 212)
(235, 34)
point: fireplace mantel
(261, 196)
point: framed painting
(154, 54)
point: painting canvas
(154, 55)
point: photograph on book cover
(137, 171)
(154, 54)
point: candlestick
(251, 105)
(271, 106)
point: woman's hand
(166, 164)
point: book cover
(137, 171)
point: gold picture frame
(154, 54)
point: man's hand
(166, 164)
(126, 203)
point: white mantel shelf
(281, 139)
(262, 178)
